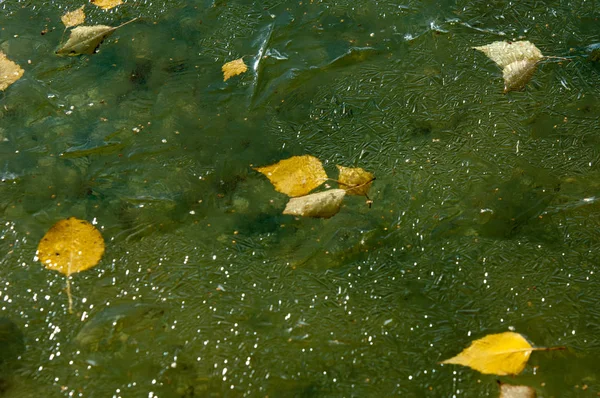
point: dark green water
(485, 214)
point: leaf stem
(69, 295)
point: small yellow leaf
(233, 68)
(355, 180)
(518, 61)
(510, 391)
(74, 18)
(10, 72)
(295, 176)
(71, 246)
(500, 354)
(106, 4)
(324, 204)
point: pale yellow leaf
(295, 176)
(355, 180)
(10, 72)
(71, 246)
(518, 74)
(518, 61)
(233, 68)
(500, 354)
(510, 391)
(504, 53)
(74, 18)
(106, 4)
(321, 204)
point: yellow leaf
(71, 246)
(295, 176)
(9, 72)
(518, 61)
(74, 18)
(233, 68)
(355, 180)
(500, 354)
(321, 204)
(510, 391)
(106, 4)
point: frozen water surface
(485, 215)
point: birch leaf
(355, 180)
(10, 72)
(510, 391)
(86, 39)
(74, 18)
(518, 61)
(233, 68)
(295, 176)
(71, 246)
(321, 204)
(500, 354)
(106, 4)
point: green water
(485, 215)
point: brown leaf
(355, 180)
(295, 176)
(321, 204)
(518, 61)
(106, 4)
(510, 391)
(10, 72)
(74, 18)
(233, 68)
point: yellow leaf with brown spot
(500, 354)
(74, 18)
(106, 4)
(71, 246)
(10, 72)
(295, 176)
(233, 68)
(355, 180)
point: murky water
(485, 214)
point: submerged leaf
(518, 61)
(106, 4)
(10, 72)
(233, 68)
(321, 204)
(510, 391)
(85, 39)
(295, 176)
(500, 354)
(71, 246)
(74, 18)
(355, 180)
